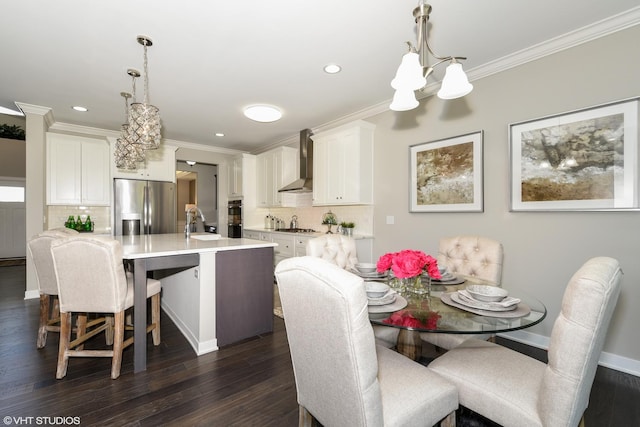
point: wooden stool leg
(108, 333)
(155, 318)
(63, 348)
(118, 344)
(44, 320)
(81, 328)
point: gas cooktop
(296, 230)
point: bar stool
(91, 278)
(39, 248)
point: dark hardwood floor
(246, 384)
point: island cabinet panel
(244, 294)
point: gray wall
(542, 249)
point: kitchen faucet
(187, 226)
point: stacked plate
(379, 293)
(489, 298)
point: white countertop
(148, 246)
(316, 233)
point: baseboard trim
(608, 360)
(200, 348)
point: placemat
(522, 309)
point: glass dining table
(444, 310)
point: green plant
(347, 224)
(329, 219)
(11, 132)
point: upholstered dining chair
(335, 248)
(341, 250)
(475, 258)
(516, 390)
(39, 248)
(342, 378)
(91, 279)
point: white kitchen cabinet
(343, 165)
(274, 169)
(240, 173)
(301, 245)
(77, 170)
(159, 165)
(285, 248)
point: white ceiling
(209, 59)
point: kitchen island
(216, 291)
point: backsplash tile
(100, 215)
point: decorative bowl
(376, 289)
(487, 293)
(365, 267)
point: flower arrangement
(408, 263)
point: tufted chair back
(476, 257)
(335, 248)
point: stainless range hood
(305, 183)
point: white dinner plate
(398, 304)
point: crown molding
(611, 25)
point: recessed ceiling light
(80, 108)
(332, 68)
(263, 113)
(219, 134)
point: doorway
(197, 184)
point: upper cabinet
(343, 165)
(77, 170)
(241, 177)
(159, 165)
(274, 169)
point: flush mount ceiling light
(144, 118)
(190, 162)
(332, 68)
(413, 71)
(263, 113)
(80, 108)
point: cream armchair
(342, 378)
(341, 251)
(513, 389)
(474, 258)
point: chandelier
(128, 154)
(144, 118)
(413, 71)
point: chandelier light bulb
(404, 100)
(409, 74)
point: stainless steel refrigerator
(144, 207)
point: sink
(205, 236)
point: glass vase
(420, 285)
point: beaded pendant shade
(128, 154)
(144, 118)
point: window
(11, 194)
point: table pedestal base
(409, 344)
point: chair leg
(108, 333)
(581, 422)
(118, 344)
(155, 318)
(63, 348)
(449, 420)
(44, 320)
(305, 419)
(81, 328)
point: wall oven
(234, 213)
